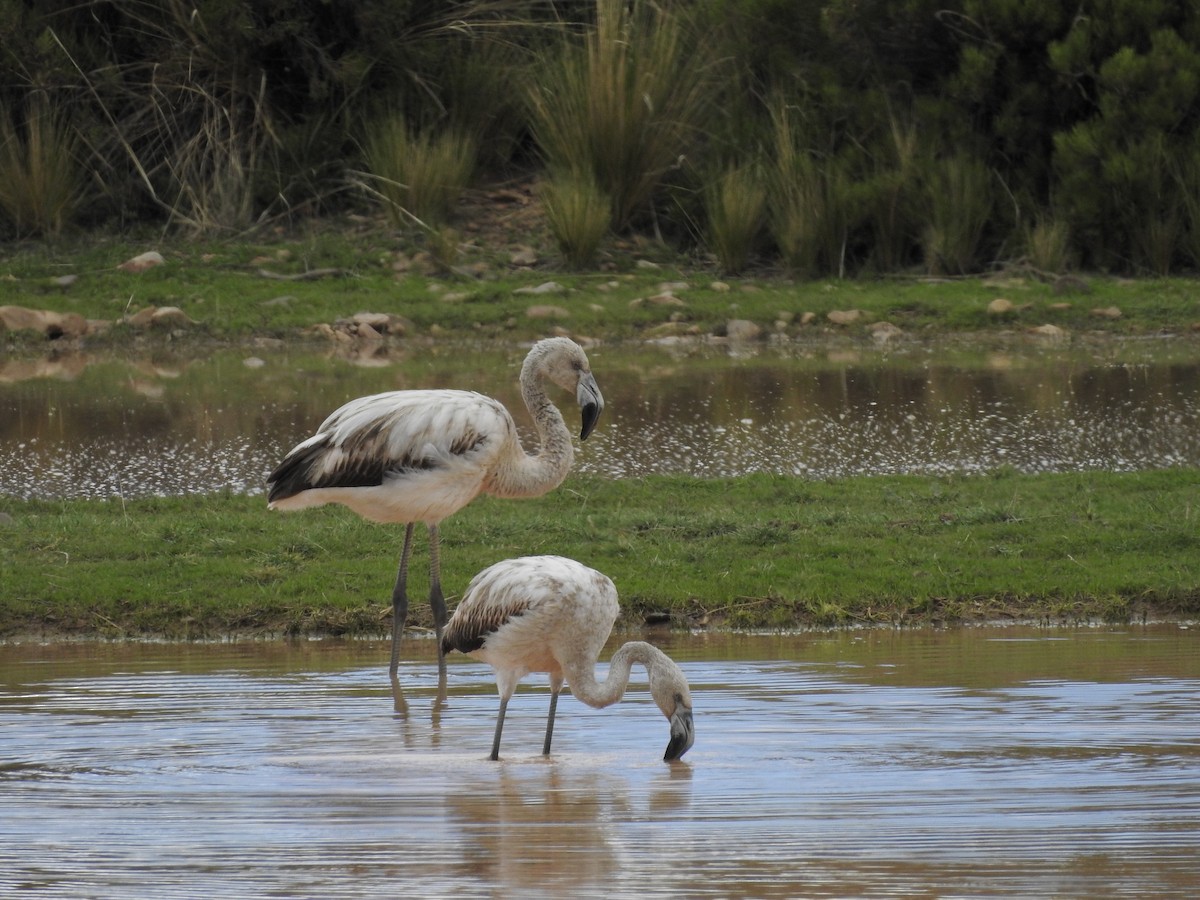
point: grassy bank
(243, 292)
(751, 552)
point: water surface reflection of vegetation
(81, 426)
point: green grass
(219, 286)
(751, 552)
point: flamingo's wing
(526, 606)
(389, 434)
(495, 597)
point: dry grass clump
(958, 194)
(622, 106)
(579, 213)
(418, 177)
(735, 204)
(40, 179)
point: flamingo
(421, 455)
(552, 614)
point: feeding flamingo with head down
(421, 455)
(552, 614)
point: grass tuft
(40, 183)
(735, 203)
(1048, 245)
(418, 177)
(624, 106)
(958, 191)
(579, 213)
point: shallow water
(989, 762)
(102, 427)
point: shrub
(890, 198)
(1189, 192)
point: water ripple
(837, 768)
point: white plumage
(421, 455)
(552, 614)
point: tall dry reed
(623, 106)
(40, 178)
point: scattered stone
(844, 316)
(1106, 312)
(365, 332)
(670, 287)
(456, 297)
(1060, 307)
(46, 322)
(647, 264)
(378, 321)
(1000, 307)
(142, 262)
(6, 520)
(65, 281)
(548, 287)
(1049, 332)
(742, 330)
(372, 326)
(721, 287)
(808, 318)
(254, 362)
(282, 300)
(525, 256)
(546, 312)
(321, 329)
(159, 317)
(883, 332)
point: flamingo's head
(564, 362)
(669, 688)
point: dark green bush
(218, 115)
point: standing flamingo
(421, 455)
(551, 614)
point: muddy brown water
(88, 426)
(990, 762)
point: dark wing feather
(363, 458)
(488, 604)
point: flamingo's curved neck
(582, 676)
(531, 475)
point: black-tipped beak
(683, 734)
(591, 402)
